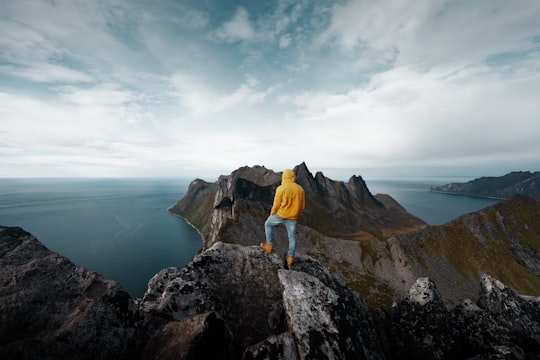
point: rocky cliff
(371, 242)
(500, 187)
(238, 204)
(237, 302)
(339, 219)
(49, 308)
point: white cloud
(406, 115)
(285, 41)
(431, 32)
(236, 29)
(359, 84)
(200, 99)
(42, 72)
(101, 95)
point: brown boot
(290, 260)
(267, 247)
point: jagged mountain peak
(334, 208)
(257, 174)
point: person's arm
(277, 201)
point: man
(287, 208)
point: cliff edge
(237, 302)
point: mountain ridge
(361, 215)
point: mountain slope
(502, 240)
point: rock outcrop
(237, 205)
(499, 187)
(307, 313)
(237, 302)
(340, 222)
(421, 327)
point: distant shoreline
(468, 195)
(187, 221)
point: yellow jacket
(289, 202)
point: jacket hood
(288, 176)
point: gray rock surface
(519, 315)
(195, 337)
(234, 301)
(260, 299)
(328, 322)
(501, 325)
(239, 283)
(52, 309)
(421, 326)
(275, 347)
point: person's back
(289, 200)
(287, 208)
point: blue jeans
(290, 225)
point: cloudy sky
(194, 87)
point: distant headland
(497, 187)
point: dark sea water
(434, 208)
(118, 227)
(121, 227)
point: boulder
(239, 283)
(327, 323)
(421, 326)
(519, 315)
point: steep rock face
(275, 347)
(211, 207)
(339, 217)
(240, 283)
(520, 316)
(262, 302)
(501, 187)
(333, 208)
(328, 320)
(52, 309)
(197, 205)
